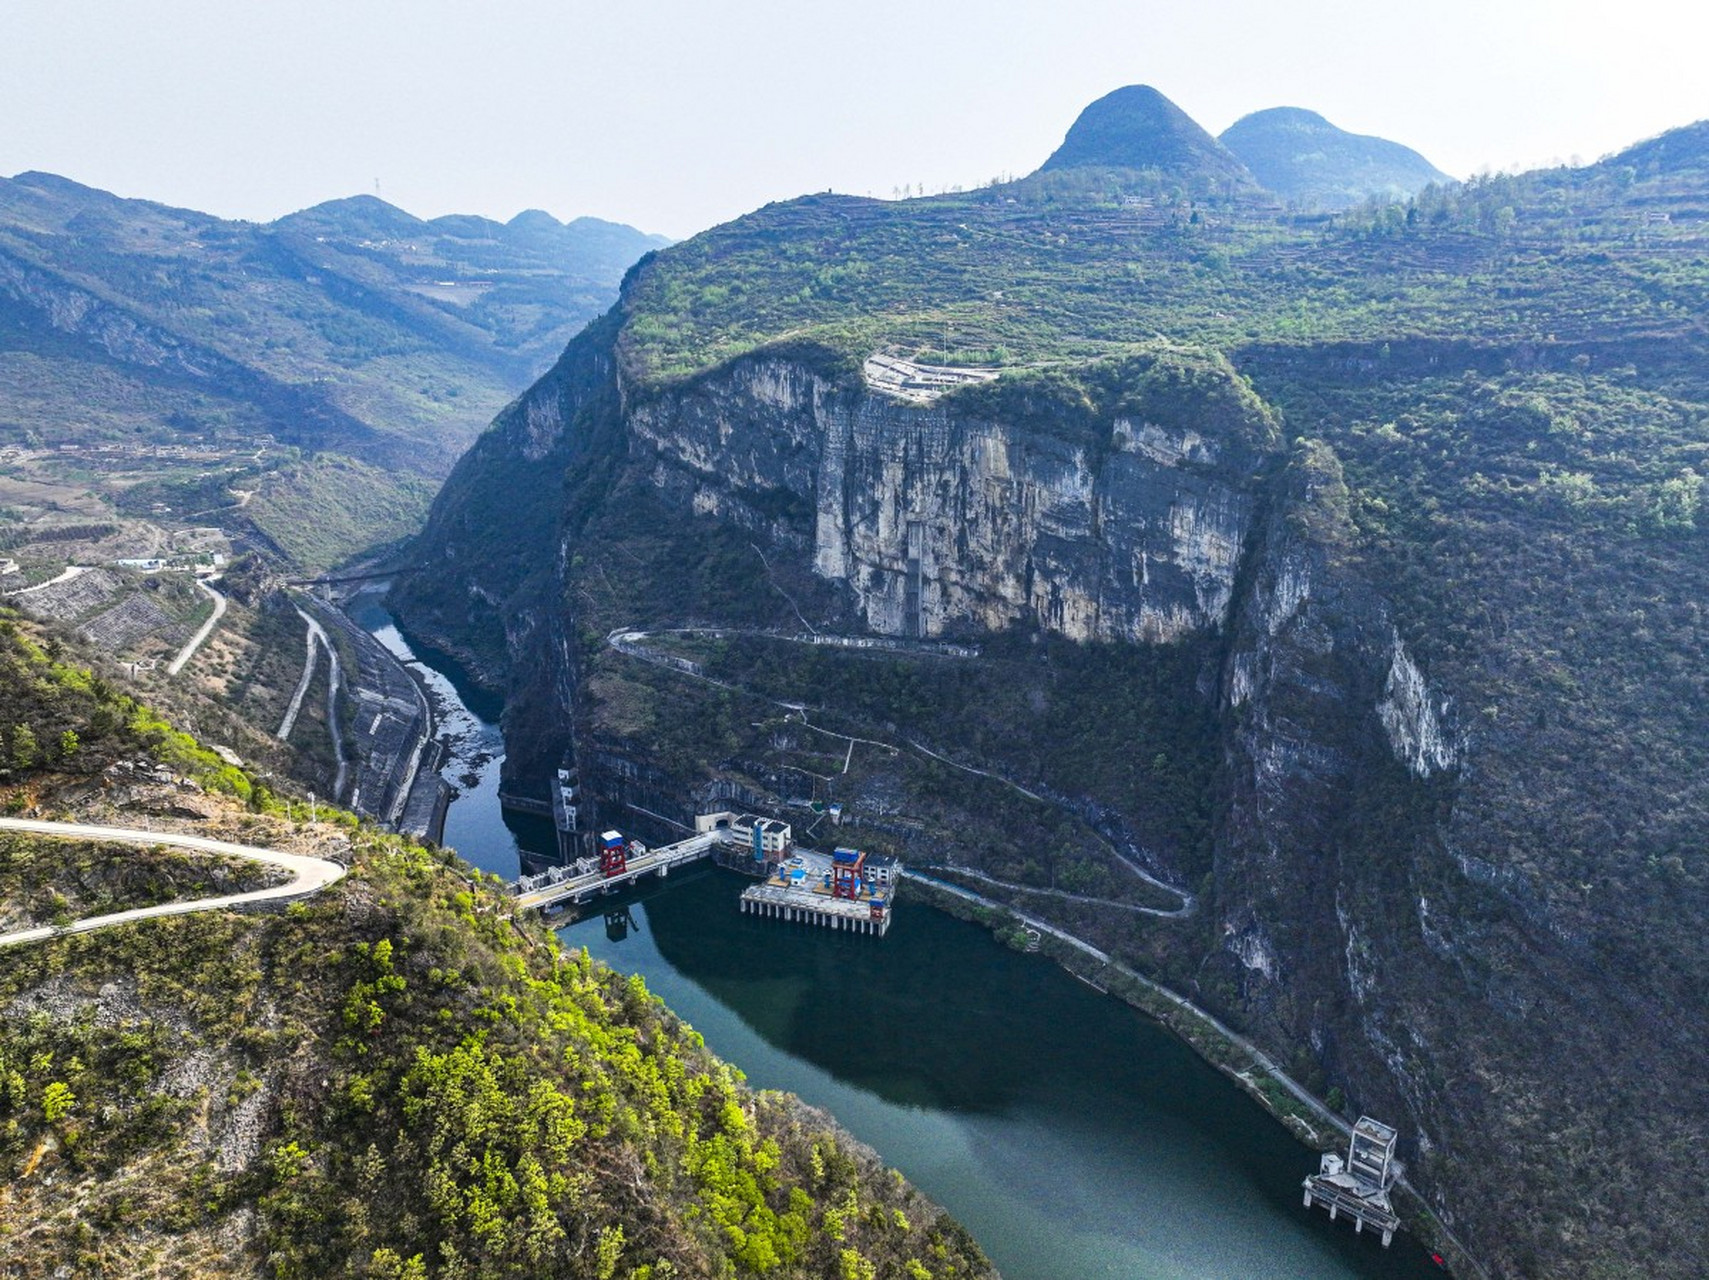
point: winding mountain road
(333, 677)
(309, 875)
(206, 630)
(303, 681)
(1187, 907)
(633, 643)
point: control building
(1359, 1185)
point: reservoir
(1075, 1138)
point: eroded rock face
(118, 333)
(939, 522)
(1351, 915)
(1414, 718)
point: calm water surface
(1076, 1139)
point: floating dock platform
(847, 889)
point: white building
(768, 837)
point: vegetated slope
(1304, 159)
(233, 692)
(1677, 151)
(1138, 128)
(1339, 571)
(1032, 270)
(63, 722)
(374, 323)
(391, 1079)
(351, 328)
(56, 882)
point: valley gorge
(1304, 628)
(1260, 576)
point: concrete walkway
(309, 875)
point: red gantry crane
(613, 854)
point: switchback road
(309, 875)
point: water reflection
(879, 1016)
(1073, 1137)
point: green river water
(1075, 1138)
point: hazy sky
(674, 115)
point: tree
(24, 748)
(57, 1101)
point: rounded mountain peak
(1302, 157)
(362, 216)
(1136, 127)
(1283, 118)
(534, 220)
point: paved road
(290, 720)
(309, 875)
(65, 575)
(207, 629)
(333, 675)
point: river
(1075, 1138)
(477, 825)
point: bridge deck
(654, 861)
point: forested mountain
(1304, 159)
(1341, 573)
(1138, 129)
(391, 1079)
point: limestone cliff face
(940, 521)
(1346, 921)
(959, 517)
(953, 518)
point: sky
(674, 115)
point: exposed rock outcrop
(1353, 918)
(940, 521)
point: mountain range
(349, 330)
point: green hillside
(1028, 272)
(392, 1079)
